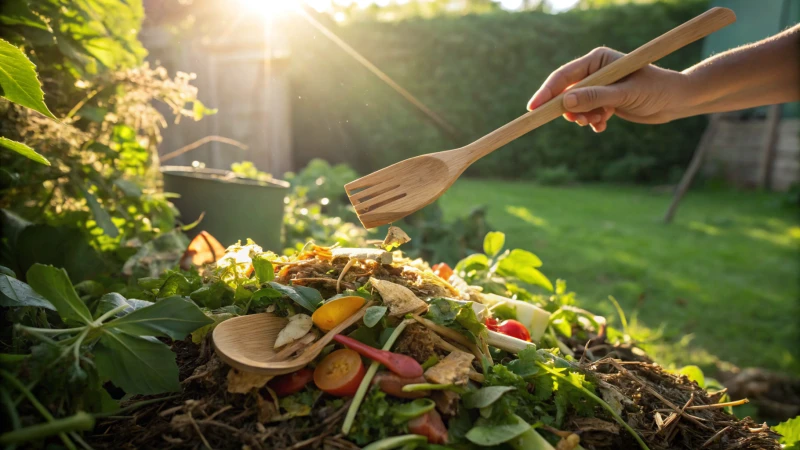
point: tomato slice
(340, 373)
(442, 270)
(431, 426)
(291, 383)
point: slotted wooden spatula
(405, 187)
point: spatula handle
(680, 36)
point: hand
(649, 95)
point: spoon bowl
(247, 343)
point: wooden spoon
(407, 186)
(246, 342)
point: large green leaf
(522, 264)
(18, 80)
(23, 150)
(54, 285)
(174, 317)
(113, 300)
(790, 433)
(17, 293)
(139, 365)
(306, 297)
(100, 214)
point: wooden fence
(245, 78)
(736, 153)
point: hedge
(478, 72)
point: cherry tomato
(514, 329)
(442, 270)
(291, 383)
(340, 373)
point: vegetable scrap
(488, 353)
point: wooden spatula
(405, 187)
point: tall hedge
(478, 72)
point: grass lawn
(722, 282)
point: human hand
(649, 95)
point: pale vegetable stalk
(364, 386)
(450, 334)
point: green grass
(719, 283)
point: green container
(236, 208)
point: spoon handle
(680, 36)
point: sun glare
(269, 8)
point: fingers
(597, 118)
(590, 98)
(570, 74)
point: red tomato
(291, 383)
(491, 323)
(340, 373)
(429, 425)
(442, 270)
(514, 329)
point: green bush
(477, 72)
(555, 176)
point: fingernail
(570, 101)
(581, 119)
(595, 118)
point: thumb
(589, 98)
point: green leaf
(493, 243)
(790, 433)
(112, 300)
(476, 261)
(16, 293)
(695, 374)
(54, 285)
(174, 317)
(199, 110)
(176, 284)
(18, 12)
(306, 297)
(407, 411)
(263, 269)
(138, 365)
(18, 80)
(522, 264)
(100, 214)
(23, 150)
(129, 188)
(373, 315)
(523, 368)
(523, 258)
(495, 434)
(484, 397)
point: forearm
(763, 73)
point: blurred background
(250, 115)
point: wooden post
(694, 166)
(768, 146)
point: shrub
(639, 168)
(555, 176)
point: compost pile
(479, 360)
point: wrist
(687, 96)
